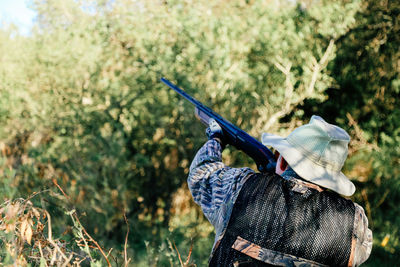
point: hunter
(295, 215)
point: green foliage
(81, 103)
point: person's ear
(281, 165)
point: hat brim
(308, 169)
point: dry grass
(26, 238)
(26, 235)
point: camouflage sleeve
(362, 237)
(215, 186)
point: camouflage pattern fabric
(271, 257)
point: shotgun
(235, 136)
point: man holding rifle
(291, 216)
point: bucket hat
(316, 151)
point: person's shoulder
(360, 218)
(362, 235)
(267, 175)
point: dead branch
(360, 141)
(83, 228)
(289, 102)
(126, 242)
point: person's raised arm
(211, 182)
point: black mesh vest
(314, 225)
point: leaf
(385, 240)
(28, 234)
(24, 225)
(26, 231)
(36, 213)
(42, 262)
(12, 211)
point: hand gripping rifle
(235, 136)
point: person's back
(284, 219)
(274, 219)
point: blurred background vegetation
(81, 106)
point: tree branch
(290, 103)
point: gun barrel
(181, 92)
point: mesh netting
(314, 225)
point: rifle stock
(262, 156)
